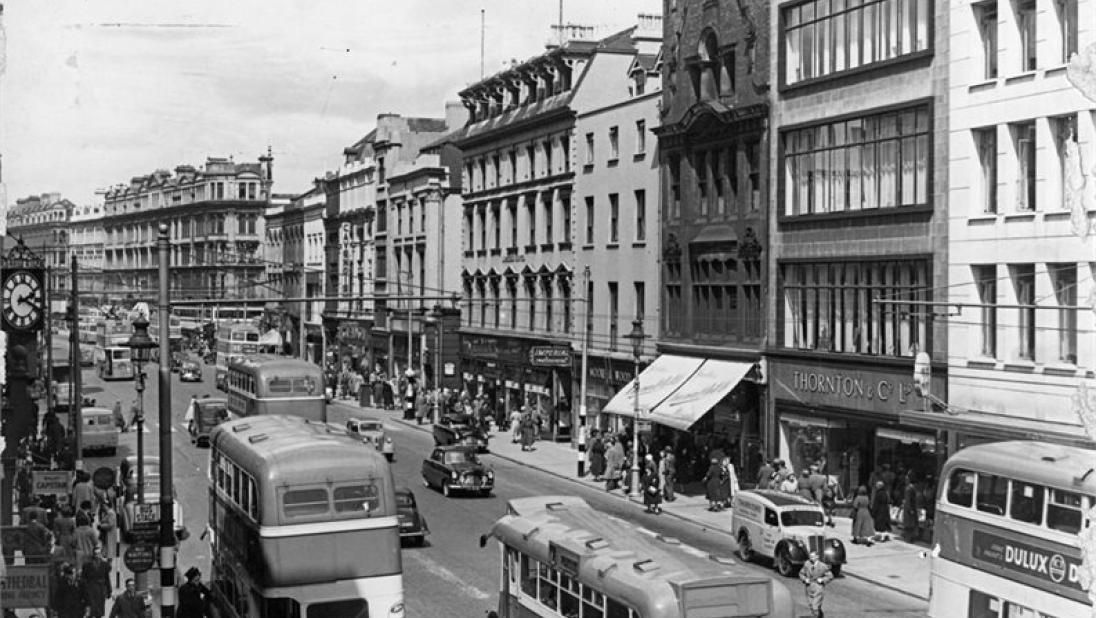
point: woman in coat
(64, 534)
(880, 509)
(528, 432)
(712, 483)
(614, 461)
(862, 525)
(597, 456)
(652, 489)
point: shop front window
(807, 444)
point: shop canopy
(999, 426)
(677, 390)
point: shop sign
(611, 376)
(450, 369)
(495, 348)
(550, 356)
(25, 586)
(51, 482)
(820, 385)
(1045, 565)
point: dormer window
(639, 82)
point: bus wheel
(836, 570)
(745, 550)
(783, 563)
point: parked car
(127, 497)
(190, 371)
(412, 523)
(459, 433)
(371, 431)
(210, 413)
(783, 527)
(457, 468)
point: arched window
(709, 66)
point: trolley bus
(1007, 522)
(304, 523)
(560, 557)
(269, 384)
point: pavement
(896, 565)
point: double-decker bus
(234, 313)
(304, 522)
(268, 384)
(175, 339)
(562, 558)
(1006, 528)
(191, 317)
(113, 358)
(234, 339)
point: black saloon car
(456, 468)
(461, 434)
(412, 524)
(210, 413)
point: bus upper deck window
(961, 488)
(1027, 502)
(1064, 511)
(992, 493)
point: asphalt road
(451, 576)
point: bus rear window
(992, 493)
(961, 488)
(1027, 502)
(304, 502)
(355, 608)
(355, 498)
(1064, 511)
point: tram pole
(167, 512)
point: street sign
(51, 482)
(140, 557)
(146, 513)
(550, 356)
(25, 586)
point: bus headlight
(396, 610)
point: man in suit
(667, 471)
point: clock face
(22, 300)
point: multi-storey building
(714, 144)
(858, 234)
(614, 207)
(86, 243)
(215, 220)
(1022, 199)
(42, 222)
(302, 273)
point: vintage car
(412, 524)
(456, 468)
(190, 370)
(462, 434)
(783, 527)
(371, 431)
(128, 495)
(210, 413)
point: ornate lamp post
(142, 345)
(636, 337)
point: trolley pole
(582, 378)
(167, 513)
(76, 392)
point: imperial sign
(550, 356)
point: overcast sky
(99, 91)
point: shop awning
(999, 426)
(682, 389)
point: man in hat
(129, 604)
(668, 472)
(193, 596)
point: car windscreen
(458, 457)
(212, 415)
(801, 518)
(371, 427)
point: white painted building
(1022, 149)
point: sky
(99, 91)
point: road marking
(445, 574)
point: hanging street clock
(21, 300)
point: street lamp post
(636, 336)
(435, 318)
(141, 345)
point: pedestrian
(135, 414)
(911, 530)
(108, 530)
(515, 426)
(194, 597)
(880, 511)
(41, 538)
(668, 471)
(119, 420)
(128, 604)
(765, 474)
(597, 455)
(69, 597)
(614, 461)
(652, 491)
(829, 502)
(86, 539)
(815, 574)
(528, 432)
(728, 482)
(96, 579)
(789, 485)
(862, 525)
(191, 413)
(712, 484)
(64, 534)
(805, 489)
(817, 482)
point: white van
(99, 431)
(784, 527)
